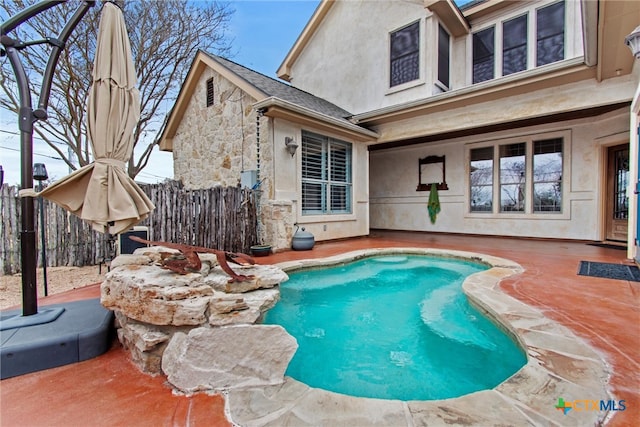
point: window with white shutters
(326, 175)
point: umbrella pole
(26, 118)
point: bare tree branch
(165, 36)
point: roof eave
(450, 15)
(276, 107)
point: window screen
(443, 56)
(514, 45)
(405, 54)
(483, 55)
(550, 34)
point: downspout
(256, 187)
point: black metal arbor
(27, 116)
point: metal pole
(27, 116)
(43, 243)
(27, 229)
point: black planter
(260, 250)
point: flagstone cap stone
(141, 290)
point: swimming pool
(393, 327)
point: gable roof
(274, 88)
(267, 92)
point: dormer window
(405, 54)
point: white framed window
(326, 175)
(404, 61)
(527, 39)
(518, 176)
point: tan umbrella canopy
(102, 192)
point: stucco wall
(287, 185)
(395, 203)
(349, 52)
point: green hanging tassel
(434, 203)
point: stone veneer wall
(278, 219)
(213, 145)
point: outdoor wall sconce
(430, 170)
(633, 41)
(291, 145)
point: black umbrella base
(59, 334)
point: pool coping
(559, 365)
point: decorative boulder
(153, 304)
(228, 357)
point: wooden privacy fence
(220, 217)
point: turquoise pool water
(392, 327)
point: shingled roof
(286, 92)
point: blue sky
(263, 32)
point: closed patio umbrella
(102, 192)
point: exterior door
(617, 209)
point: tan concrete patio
(591, 325)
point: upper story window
(326, 175)
(532, 39)
(514, 45)
(405, 54)
(550, 34)
(443, 56)
(210, 92)
(483, 55)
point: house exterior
(519, 111)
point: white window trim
(326, 217)
(421, 59)
(573, 47)
(565, 214)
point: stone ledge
(154, 306)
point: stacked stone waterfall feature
(199, 329)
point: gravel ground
(59, 279)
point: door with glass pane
(617, 209)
